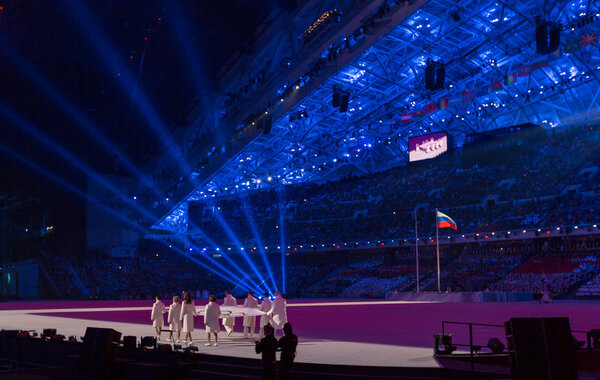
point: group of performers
(271, 312)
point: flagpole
(437, 247)
(417, 249)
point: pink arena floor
(380, 322)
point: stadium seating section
(550, 179)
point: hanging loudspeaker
(440, 77)
(344, 100)
(267, 124)
(336, 98)
(554, 39)
(429, 76)
(541, 39)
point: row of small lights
(383, 242)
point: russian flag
(444, 221)
(468, 96)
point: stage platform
(340, 332)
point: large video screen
(427, 146)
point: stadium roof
(494, 78)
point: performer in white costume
(212, 311)
(228, 323)
(174, 320)
(265, 306)
(278, 312)
(158, 309)
(188, 311)
(250, 321)
(546, 294)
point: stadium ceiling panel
(494, 78)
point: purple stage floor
(395, 323)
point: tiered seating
(557, 275)
(142, 277)
(529, 183)
(338, 280)
(495, 266)
(59, 273)
(475, 270)
(591, 288)
(376, 286)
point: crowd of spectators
(558, 265)
(542, 179)
(555, 275)
(549, 179)
(124, 278)
(378, 286)
(343, 277)
(590, 288)
(60, 276)
(477, 268)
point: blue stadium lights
(112, 59)
(496, 108)
(36, 133)
(73, 112)
(68, 186)
(236, 241)
(183, 32)
(224, 273)
(205, 238)
(71, 188)
(280, 198)
(256, 235)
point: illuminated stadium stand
(556, 275)
(590, 288)
(537, 180)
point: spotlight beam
(282, 234)
(107, 52)
(232, 236)
(75, 114)
(68, 186)
(73, 189)
(36, 133)
(195, 65)
(234, 279)
(259, 243)
(229, 260)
